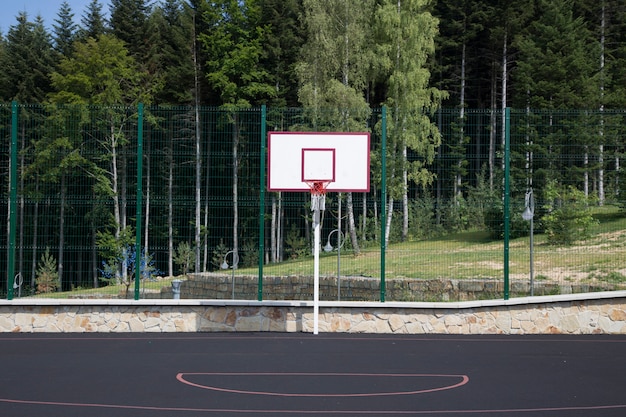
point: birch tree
(334, 69)
(406, 31)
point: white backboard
(295, 158)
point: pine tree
(171, 55)
(93, 22)
(64, 30)
(128, 23)
(27, 62)
(282, 45)
(556, 60)
(557, 69)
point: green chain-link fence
(75, 226)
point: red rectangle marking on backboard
(318, 164)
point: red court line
(181, 377)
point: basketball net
(318, 194)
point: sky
(48, 9)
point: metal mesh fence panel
(205, 217)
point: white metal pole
(316, 270)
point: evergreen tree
(93, 22)
(283, 45)
(64, 30)
(171, 56)
(129, 23)
(27, 62)
(557, 69)
(556, 60)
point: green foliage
(234, 46)
(295, 245)
(26, 62)
(185, 257)
(122, 269)
(219, 253)
(569, 217)
(64, 30)
(111, 247)
(47, 274)
(405, 41)
(93, 22)
(422, 221)
(494, 220)
(100, 71)
(555, 68)
(249, 254)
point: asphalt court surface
(274, 374)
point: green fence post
(507, 192)
(262, 175)
(139, 258)
(383, 205)
(12, 202)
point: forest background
(418, 58)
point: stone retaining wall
(597, 313)
(220, 286)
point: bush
(47, 274)
(295, 245)
(568, 217)
(423, 223)
(185, 257)
(494, 220)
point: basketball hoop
(318, 194)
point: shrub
(47, 274)
(295, 245)
(568, 217)
(185, 257)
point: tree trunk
(458, 178)
(94, 252)
(364, 219)
(197, 191)
(114, 180)
(601, 195)
(236, 188)
(492, 130)
(351, 225)
(273, 230)
(146, 229)
(405, 196)
(586, 171)
(196, 77)
(170, 205)
(388, 220)
(33, 273)
(61, 231)
(504, 86)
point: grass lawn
(465, 255)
